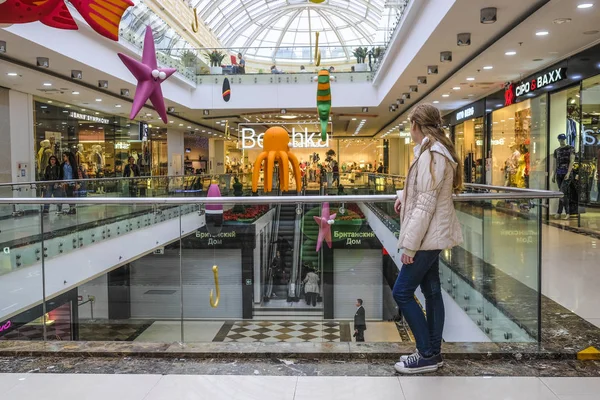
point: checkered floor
(288, 331)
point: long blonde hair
(429, 121)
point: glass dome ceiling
(284, 30)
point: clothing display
(562, 156)
(571, 132)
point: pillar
(175, 149)
(216, 156)
(394, 156)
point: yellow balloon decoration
(317, 52)
(214, 303)
(316, 1)
(276, 148)
(195, 24)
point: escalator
(284, 242)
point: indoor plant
(214, 58)
(361, 54)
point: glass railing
(147, 275)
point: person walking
(428, 226)
(311, 288)
(52, 173)
(360, 324)
(132, 171)
(69, 173)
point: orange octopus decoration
(276, 148)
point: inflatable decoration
(214, 224)
(103, 16)
(323, 101)
(149, 78)
(316, 1)
(195, 24)
(317, 52)
(226, 90)
(276, 148)
(324, 221)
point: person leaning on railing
(428, 225)
(52, 172)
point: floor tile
(595, 321)
(579, 397)
(88, 387)
(348, 388)
(9, 381)
(574, 386)
(186, 387)
(480, 388)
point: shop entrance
(469, 143)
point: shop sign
(122, 146)
(588, 139)
(302, 139)
(216, 240)
(537, 82)
(495, 142)
(466, 113)
(353, 238)
(90, 118)
(143, 131)
(471, 111)
(6, 326)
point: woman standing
(69, 172)
(52, 173)
(428, 226)
(311, 288)
(132, 171)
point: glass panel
(589, 162)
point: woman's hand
(398, 205)
(406, 259)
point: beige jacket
(427, 219)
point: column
(394, 156)
(175, 148)
(216, 156)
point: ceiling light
(43, 106)
(67, 106)
(435, 102)
(83, 109)
(470, 79)
(510, 53)
(456, 88)
(289, 116)
(542, 33)
(75, 93)
(47, 84)
(189, 127)
(488, 67)
(118, 105)
(97, 113)
(445, 95)
(180, 124)
(585, 5)
(12, 74)
(148, 115)
(353, 119)
(98, 100)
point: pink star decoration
(149, 78)
(324, 221)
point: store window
(468, 140)
(519, 144)
(590, 144)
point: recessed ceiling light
(83, 109)
(435, 102)
(189, 127)
(456, 88)
(541, 33)
(97, 113)
(510, 53)
(470, 78)
(353, 119)
(148, 115)
(43, 106)
(67, 106)
(585, 5)
(47, 84)
(445, 95)
(49, 101)
(488, 67)
(12, 74)
(118, 105)
(74, 92)
(98, 100)
(180, 124)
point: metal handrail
(529, 194)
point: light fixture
(103, 84)
(488, 15)
(463, 39)
(118, 105)
(98, 100)
(125, 92)
(510, 53)
(353, 119)
(97, 113)
(422, 80)
(435, 102)
(76, 74)
(365, 109)
(432, 70)
(445, 95)
(487, 67)
(456, 88)
(43, 62)
(171, 109)
(75, 93)
(585, 5)
(180, 124)
(67, 106)
(413, 89)
(542, 33)
(148, 115)
(12, 74)
(445, 56)
(83, 109)
(2, 46)
(470, 78)
(49, 101)
(47, 84)
(205, 112)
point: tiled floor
(288, 331)
(188, 387)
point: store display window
(518, 145)
(590, 142)
(469, 144)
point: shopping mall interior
(210, 198)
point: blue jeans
(425, 271)
(53, 191)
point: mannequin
(79, 155)
(564, 159)
(43, 156)
(512, 165)
(96, 158)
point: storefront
(467, 131)
(101, 143)
(521, 128)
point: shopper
(240, 68)
(360, 323)
(54, 189)
(69, 173)
(428, 225)
(132, 171)
(311, 288)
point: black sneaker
(438, 357)
(417, 364)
